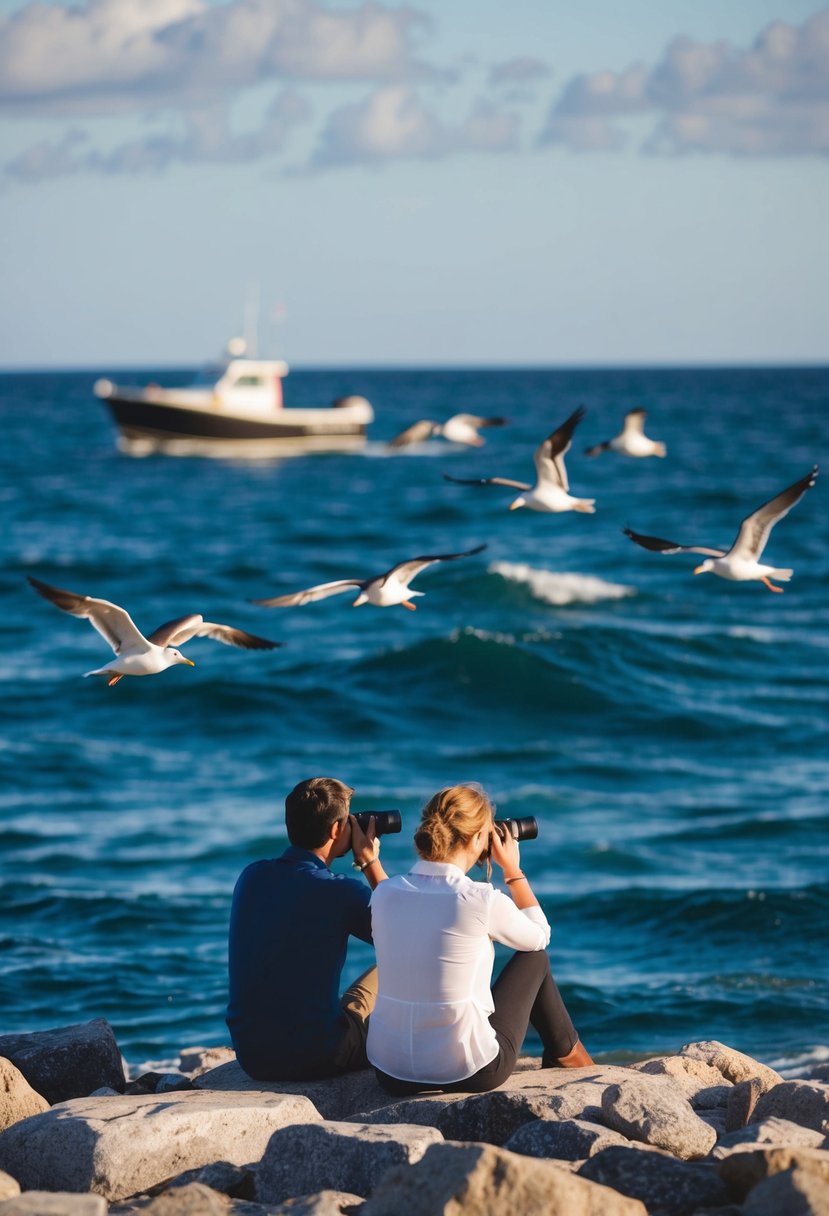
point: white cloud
(771, 99)
(106, 55)
(393, 123)
(522, 70)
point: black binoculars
(385, 822)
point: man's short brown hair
(313, 807)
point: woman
(436, 1024)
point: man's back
(289, 928)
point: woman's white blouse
(433, 930)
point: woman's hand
(504, 852)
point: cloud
(393, 123)
(106, 55)
(771, 99)
(522, 70)
(206, 139)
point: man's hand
(364, 845)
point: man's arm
(366, 849)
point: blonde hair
(450, 819)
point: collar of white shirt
(439, 869)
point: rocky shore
(706, 1132)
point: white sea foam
(558, 587)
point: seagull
(741, 562)
(460, 428)
(632, 441)
(551, 490)
(137, 655)
(384, 590)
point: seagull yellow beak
(190, 663)
(699, 570)
(514, 506)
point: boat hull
(151, 426)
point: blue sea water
(669, 732)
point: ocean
(670, 733)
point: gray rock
(662, 1183)
(742, 1100)
(794, 1193)
(144, 1084)
(349, 1157)
(334, 1097)
(67, 1062)
(121, 1146)
(803, 1102)
(733, 1065)
(197, 1060)
(703, 1085)
(324, 1203)
(491, 1117)
(17, 1098)
(715, 1119)
(817, 1072)
(48, 1203)
(232, 1180)
(563, 1139)
(744, 1171)
(780, 1133)
(106, 1091)
(643, 1110)
(482, 1180)
(194, 1199)
(9, 1187)
(173, 1082)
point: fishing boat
(235, 409)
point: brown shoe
(576, 1058)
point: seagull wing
(634, 422)
(181, 630)
(657, 545)
(113, 623)
(755, 528)
(476, 421)
(549, 455)
(416, 433)
(406, 571)
(310, 595)
(597, 448)
(487, 481)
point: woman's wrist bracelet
(516, 878)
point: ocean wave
(559, 587)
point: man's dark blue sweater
(289, 928)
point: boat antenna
(252, 319)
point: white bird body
(136, 655)
(383, 591)
(741, 563)
(551, 492)
(632, 440)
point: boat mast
(252, 319)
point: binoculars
(388, 822)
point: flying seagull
(135, 654)
(741, 562)
(632, 441)
(384, 590)
(551, 490)
(460, 428)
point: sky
(445, 182)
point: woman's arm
(505, 854)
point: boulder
(660, 1181)
(336, 1157)
(491, 1117)
(197, 1060)
(744, 1171)
(793, 1193)
(563, 1139)
(779, 1133)
(349, 1157)
(49, 1203)
(194, 1199)
(703, 1085)
(733, 1065)
(68, 1062)
(644, 1110)
(483, 1180)
(143, 1084)
(9, 1187)
(742, 1100)
(17, 1098)
(120, 1146)
(324, 1203)
(803, 1102)
(334, 1097)
(173, 1082)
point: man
(289, 927)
